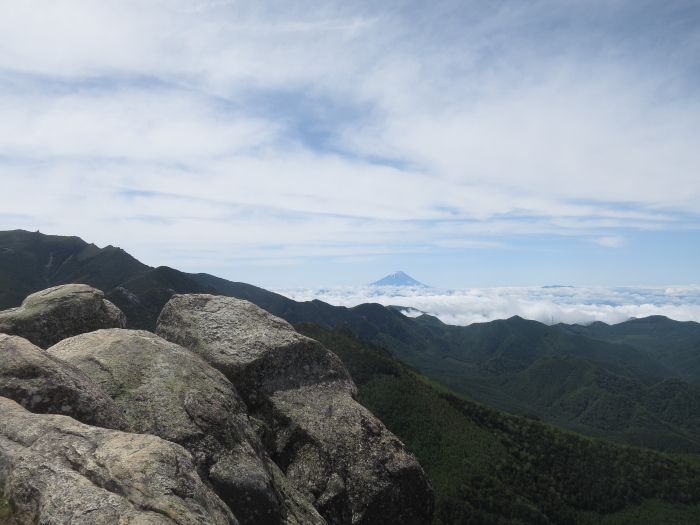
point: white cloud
(569, 305)
(281, 131)
(611, 242)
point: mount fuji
(397, 279)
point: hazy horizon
(560, 304)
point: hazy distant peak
(397, 279)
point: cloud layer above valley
(213, 133)
(565, 304)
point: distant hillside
(143, 297)
(489, 467)
(30, 262)
(675, 344)
(585, 397)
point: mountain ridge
(481, 361)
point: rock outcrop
(47, 317)
(56, 470)
(45, 385)
(331, 449)
(166, 390)
(235, 419)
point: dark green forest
(674, 344)
(495, 468)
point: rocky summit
(46, 385)
(332, 450)
(225, 416)
(47, 317)
(167, 391)
(57, 470)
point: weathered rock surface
(56, 470)
(54, 314)
(166, 390)
(45, 385)
(335, 452)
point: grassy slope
(490, 467)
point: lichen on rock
(166, 390)
(44, 384)
(56, 470)
(331, 449)
(48, 316)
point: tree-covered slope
(675, 344)
(30, 262)
(585, 397)
(143, 297)
(503, 364)
(511, 345)
(491, 467)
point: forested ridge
(492, 467)
(675, 344)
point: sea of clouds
(568, 304)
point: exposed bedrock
(166, 390)
(55, 470)
(48, 316)
(44, 384)
(331, 449)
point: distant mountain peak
(397, 278)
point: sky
(510, 143)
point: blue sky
(469, 144)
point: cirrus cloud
(273, 131)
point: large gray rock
(54, 314)
(45, 385)
(56, 470)
(335, 452)
(165, 390)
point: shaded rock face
(331, 449)
(47, 317)
(165, 390)
(45, 385)
(56, 470)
